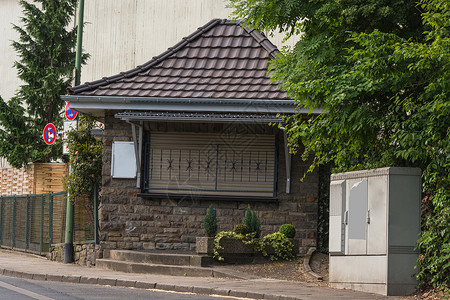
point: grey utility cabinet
(374, 226)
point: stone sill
(205, 197)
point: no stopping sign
(49, 134)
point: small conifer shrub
(252, 222)
(210, 222)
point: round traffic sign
(49, 134)
(70, 113)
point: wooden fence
(38, 178)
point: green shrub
(252, 222)
(210, 222)
(282, 246)
(288, 230)
(241, 229)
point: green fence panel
(13, 234)
(34, 223)
(1, 220)
(27, 226)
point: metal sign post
(68, 242)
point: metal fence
(33, 223)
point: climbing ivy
(85, 156)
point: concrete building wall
(10, 12)
(119, 35)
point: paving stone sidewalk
(17, 264)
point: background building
(119, 35)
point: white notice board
(123, 161)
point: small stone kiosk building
(191, 128)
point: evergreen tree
(46, 59)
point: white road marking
(23, 291)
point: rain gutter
(102, 103)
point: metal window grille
(211, 164)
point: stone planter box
(233, 247)
(204, 245)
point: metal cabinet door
(357, 217)
(337, 223)
(377, 215)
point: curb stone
(183, 289)
(71, 279)
(164, 287)
(202, 290)
(221, 292)
(50, 277)
(88, 280)
(239, 294)
(255, 295)
(106, 281)
(307, 267)
(141, 285)
(145, 285)
(125, 283)
(42, 277)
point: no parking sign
(49, 134)
(70, 113)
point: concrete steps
(161, 258)
(164, 263)
(130, 267)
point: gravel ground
(289, 270)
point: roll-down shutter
(211, 164)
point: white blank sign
(123, 161)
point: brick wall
(16, 181)
(128, 221)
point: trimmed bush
(288, 230)
(241, 229)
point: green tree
(380, 72)
(46, 59)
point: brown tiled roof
(221, 60)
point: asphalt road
(23, 289)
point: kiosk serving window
(210, 164)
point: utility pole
(68, 245)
